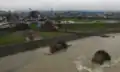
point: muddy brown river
(38, 61)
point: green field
(11, 38)
(86, 27)
(51, 34)
(79, 20)
(83, 27)
(18, 37)
(72, 19)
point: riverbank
(13, 38)
(37, 61)
(86, 27)
(19, 37)
(11, 49)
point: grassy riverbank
(86, 27)
(18, 37)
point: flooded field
(37, 61)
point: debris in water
(100, 57)
(104, 36)
(113, 36)
(58, 46)
(84, 64)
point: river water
(38, 61)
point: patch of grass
(11, 38)
(51, 34)
(76, 19)
(90, 27)
(17, 37)
(71, 19)
(82, 26)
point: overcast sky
(113, 5)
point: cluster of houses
(11, 20)
(16, 23)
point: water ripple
(84, 64)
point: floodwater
(38, 61)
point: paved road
(37, 61)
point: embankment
(13, 49)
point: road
(37, 61)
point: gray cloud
(61, 4)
